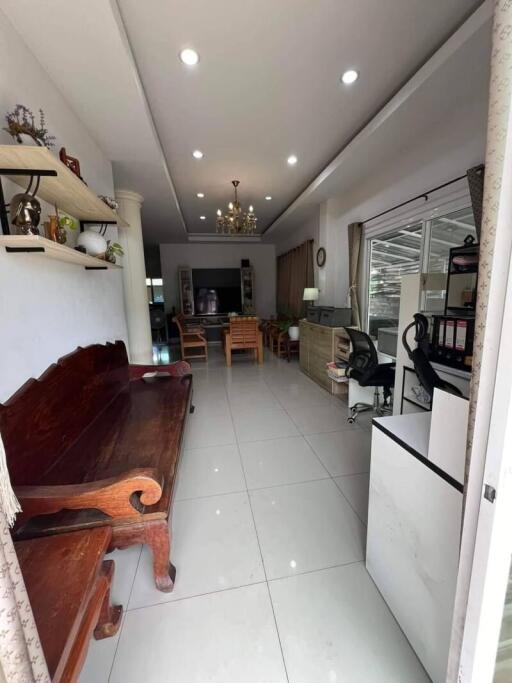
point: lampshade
(310, 294)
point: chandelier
(236, 221)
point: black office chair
(364, 367)
(428, 377)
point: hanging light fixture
(236, 221)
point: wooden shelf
(40, 246)
(65, 189)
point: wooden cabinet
(317, 348)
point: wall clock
(320, 257)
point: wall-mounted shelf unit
(34, 244)
(58, 186)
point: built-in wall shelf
(40, 246)
(65, 189)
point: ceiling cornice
(478, 19)
(140, 87)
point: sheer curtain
(294, 273)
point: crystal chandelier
(236, 221)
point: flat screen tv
(217, 291)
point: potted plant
(21, 124)
(290, 327)
(113, 249)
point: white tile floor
(268, 539)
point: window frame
(445, 202)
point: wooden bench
(88, 447)
(68, 585)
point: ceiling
(267, 86)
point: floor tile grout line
(333, 479)
(125, 612)
(365, 524)
(198, 595)
(260, 551)
(272, 486)
(284, 577)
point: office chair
(428, 377)
(364, 367)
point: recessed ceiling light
(200, 195)
(189, 57)
(197, 154)
(268, 198)
(292, 160)
(203, 218)
(350, 76)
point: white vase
(293, 332)
(94, 243)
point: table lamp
(310, 294)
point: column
(140, 347)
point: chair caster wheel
(350, 420)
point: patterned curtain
(295, 272)
(21, 656)
(495, 248)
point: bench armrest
(114, 496)
(177, 369)
(194, 334)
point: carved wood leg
(109, 619)
(158, 538)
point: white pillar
(134, 278)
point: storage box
(313, 314)
(335, 317)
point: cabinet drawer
(318, 370)
(321, 351)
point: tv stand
(212, 325)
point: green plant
(21, 121)
(67, 222)
(287, 322)
(114, 249)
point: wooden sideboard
(318, 346)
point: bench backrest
(47, 415)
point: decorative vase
(293, 332)
(51, 227)
(94, 243)
(61, 235)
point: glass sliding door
(444, 233)
(391, 255)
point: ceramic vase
(94, 243)
(293, 332)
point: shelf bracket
(85, 222)
(24, 250)
(95, 267)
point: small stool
(291, 346)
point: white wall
(440, 153)
(48, 308)
(261, 256)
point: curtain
(494, 263)
(294, 273)
(355, 240)
(21, 656)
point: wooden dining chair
(191, 338)
(243, 334)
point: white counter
(414, 523)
